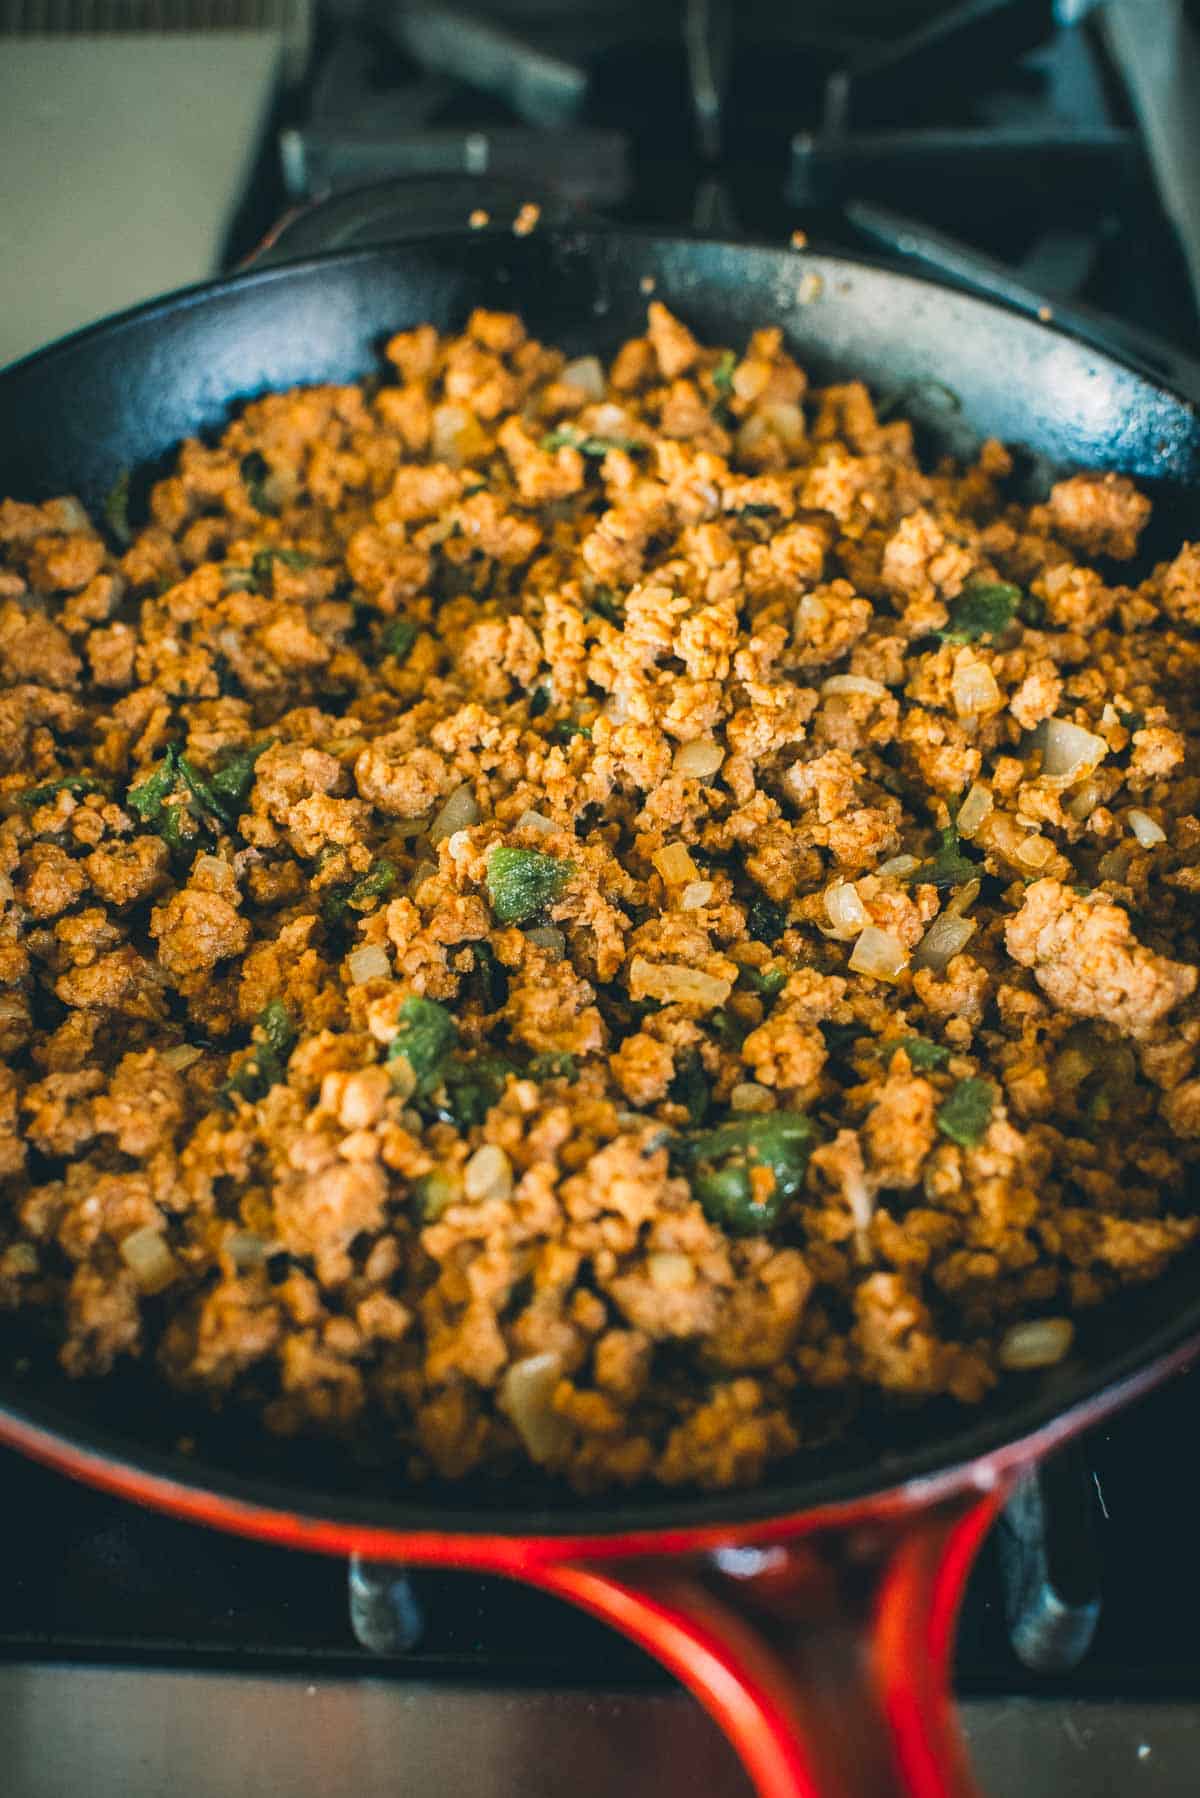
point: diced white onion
(1039, 1342)
(695, 894)
(675, 864)
(586, 374)
(527, 1396)
(974, 689)
(1034, 852)
(69, 515)
(786, 420)
(973, 810)
(897, 867)
(1147, 832)
(853, 683)
(676, 985)
(211, 867)
(245, 1248)
(944, 939)
(1113, 864)
(878, 953)
(962, 899)
(459, 812)
(488, 1174)
(846, 912)
(370, 962)
(748, 1095)
(1068, 751)
(670, 1272)
(455, 435)
(180, 1056)
(535, 821)
(402, 829)
(608, 420)
(148, 1258)
(859, 1197)
(699, 760)
(548, 938)
(1084, 800)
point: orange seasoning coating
(561, 912)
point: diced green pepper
(426, 1040)
(966, 1114)
(982, 609)
(721, 1165)
(78, 784)
(553, 1065)
(472, 1087)
(521, 881)
(949, 867)
(266, 1064)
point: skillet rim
(974, 1454)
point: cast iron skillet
(915, 1490)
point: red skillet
(814, 1617)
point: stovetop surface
(90, 1578)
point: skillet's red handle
(825, 1660)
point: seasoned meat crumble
(559, 914)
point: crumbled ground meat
(487, 956)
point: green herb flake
(949, 867)
(521, 881)
(116, 511)
(255, 471)
(398, 637)
(488, 979)
(841, 1040)
(966, 1114)
(426, 1039)
(75, 784)
(722, 372)
(472, 1087)
(568, 437)
(924, 1056)
(982, 609)
(605, 604)
(766, 920)
(690, 1087)
(566, 730)
(263, 559)
(553, 1066)
(769, 982)
(266, 1064)
(721, 1164)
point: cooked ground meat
(569, 915)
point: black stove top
(88, 1578)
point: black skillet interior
(121, 394)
